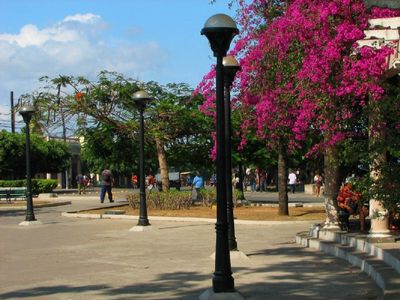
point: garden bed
(242, 213)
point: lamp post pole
(231, 66)
(27, 112)
(220, 30)
(141, 98)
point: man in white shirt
(292, 181)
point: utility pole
(12, 112)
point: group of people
(350, 202)
(150, 182)
(294, 179)
(83, 181)
(256, 179)
(107, 180)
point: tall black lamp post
(231, 66)
(141, 98)
(27, 112)
(220, 30)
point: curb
(175, 219)
(291, 204)
(23, 207)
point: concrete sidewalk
(69, 258)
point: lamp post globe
(141, 99)
(220, 30)
(27, 111)
(231, 66)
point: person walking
(198, 184)
(80, 182)
(252, 180)
(106, 185)
(292, 181)
(318, 184)
(151, 182)
(134, 181)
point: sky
(143, 39)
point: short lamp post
(231, 66)
(141, 99)
(220, 30)
(27, 112)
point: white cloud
(85, 18)
(77, 45)
(30, 35)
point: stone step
(381, 265)
(386, 249)
(386, 34)
(392, 23)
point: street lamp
(141, 98)
(220, 30)
(231, 66)
(27, 112)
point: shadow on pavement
(51, 290)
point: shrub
(38, 185)
(12, 183)
(163, 200)
(239, 199)
(386, 189)
(45, 185)
(208, 197)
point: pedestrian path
(70, 258)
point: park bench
(14, 193)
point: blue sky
(145, 39)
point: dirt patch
(242, 213)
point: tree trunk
(162, 161)
(282, 182)
(331, 189)
(241, 177)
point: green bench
(13, 193)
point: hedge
(163, 200)
(182, 199)
(38, 185)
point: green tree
(180, 131)
(46, 156)
(104, 112)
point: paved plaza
(77, 258)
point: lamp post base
(211, 295)
(140, 228)
(30, 223)
(234, 254)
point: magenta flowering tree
(302, 74)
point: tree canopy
(104, 113)
(46, 156)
